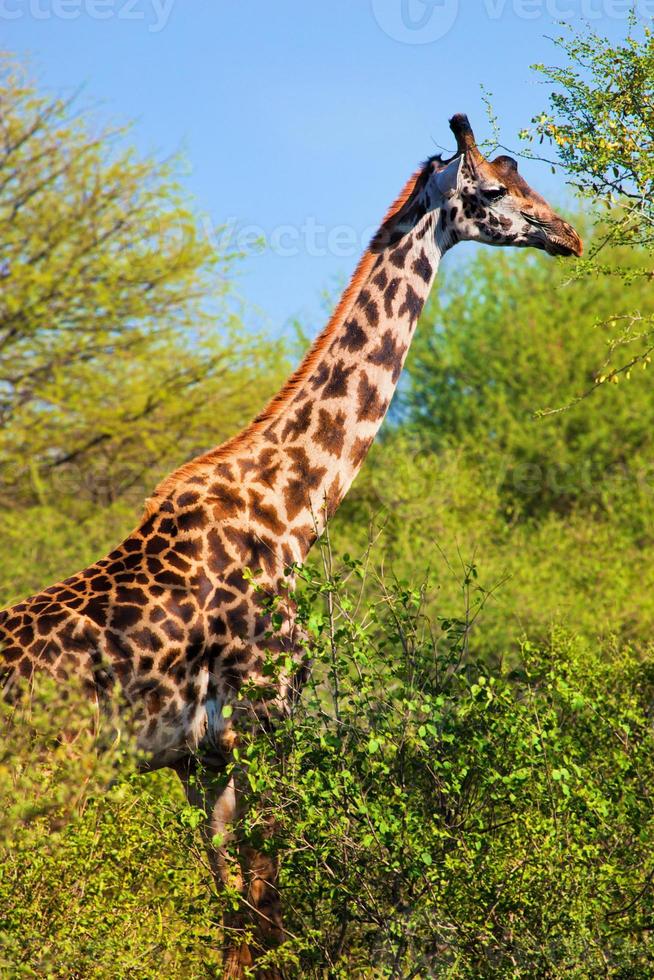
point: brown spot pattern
(354, 336)
(389, 354)
(371, 407)
(330, 432)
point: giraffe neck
(341, 393)
(301, 454)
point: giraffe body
(172, 614)
(169, 614)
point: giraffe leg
(261, 873)
(253, 876)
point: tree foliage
(121, 349)
(433, 817)
(436, 819)
(508, 337)
(100, 872)
(601, 122)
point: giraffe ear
(448, 180)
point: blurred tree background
(504, 603)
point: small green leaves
(191, 816)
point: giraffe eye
(494, 193)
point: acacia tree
(121, 348)
(600, 122)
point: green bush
(433, 818)
(100, 871)
(437, 819)
(430, 509)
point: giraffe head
(488, 201)
(477, 200)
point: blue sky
(301, 120)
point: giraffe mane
(304, 369)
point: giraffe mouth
(566, 244)
(555, 247)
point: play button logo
(415, 21)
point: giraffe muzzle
(566, 248)
(555, 237)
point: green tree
(513, 335)
(600, 122)
(122, 350)
(600, 119)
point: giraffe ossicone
(172, 614)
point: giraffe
(171, 616)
